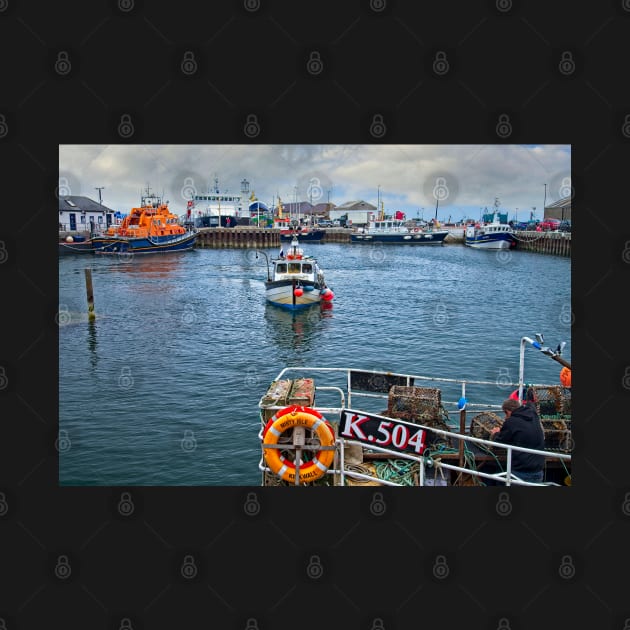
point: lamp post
(545, 201)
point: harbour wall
(554, 243)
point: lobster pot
(483, 423)
(300, 391)
(415, 404)
(557, 434)
(565, 395)
(550, 400)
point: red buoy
(298, 291)
(327, 295)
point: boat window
(307, 268)
(281, 267)
(294, 267)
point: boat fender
(565, 376)
(288, 418)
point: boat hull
(494, 241)
(158, 244)
(280, 293)
(80, 247)
(213, 221)
(311, 236)
(419, 238)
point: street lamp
(545, 201)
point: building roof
(75, 203)
(323, 208)
(565, 202)
(356, 205)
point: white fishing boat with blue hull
(492, 234)
(296, 281)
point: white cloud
(406, 174)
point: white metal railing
(340, 468)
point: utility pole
(99, 188)
(545, 201)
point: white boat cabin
(387, 225)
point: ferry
(379, 428)
(219, 209)
(149, 228)
(295, 280)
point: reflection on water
(156, 265)
(92, 342)
(296, 330)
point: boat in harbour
(380, 428)
(149, 228)
(290, 226)
(75, 244)
(218, 209)
(398, 231)
(304, 233)
(493, 232)
(295, 280)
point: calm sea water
(162, 389)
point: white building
(359, 212)
(82, 214)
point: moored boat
(218, 209)
(295, 280)
(397, 231)
(433, 432)
(149, 228)
(304, 233)
(492, 233)
(75, 245)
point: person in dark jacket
(522, 427)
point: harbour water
(162, 388)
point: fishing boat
(295, 280)
(149, 228)
(290, 226)
(305, 233)
(493, 232)
(381, 428)
(398, 231)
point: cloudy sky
(465, 178)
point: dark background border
(558, 71)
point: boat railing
(459, 439)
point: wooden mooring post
(90, 294)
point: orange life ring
(565, 376)
(288, 418)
